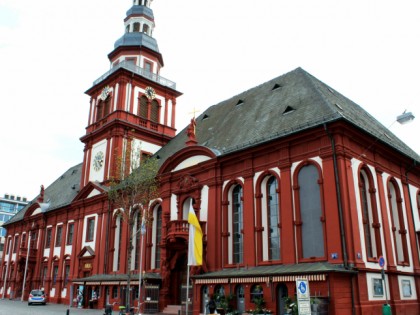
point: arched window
(158, 236)
(257, 293)
(398, 227)
(127, 28)
(154, 114)
(237, 225)
(311, 231)
(371, 226)
(146, 28)
(143, 108)
(136, 27)
(117, 243)
(273, 219)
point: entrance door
(281, 294)
(240, 298)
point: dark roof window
(240, 102)
(288, 110)
(276, 86)
(205, 117)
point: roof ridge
(317, 91)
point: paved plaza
(16, 307)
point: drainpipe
(339, 201)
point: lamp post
(142, 232)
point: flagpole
(188, 287)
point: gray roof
(137, 39)
(140, 10)
(275, 270)
(59, 194)
(288, 104)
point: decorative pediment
(92, 189)
(86, 251)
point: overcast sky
(51, 51)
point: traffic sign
(303, 297)
(381, 262)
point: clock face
(150, 93)
(98, 161)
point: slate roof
(288, 104)
(59, 194)
(276, 270)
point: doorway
(281, 294)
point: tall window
(107, 106)
(70, 232)
(311, 231)
(16, 244)
(99, 110)
(48, 238)
(55, 274)
(58, 236)
(273, 219)
(154, 114)
(23, 242)
(237, 225)
(136, 27)
(119, 242)
(44, 275)
(143, 108)
(66, 273)
(371, 226)
(90, 233)
(398, 227)
(158, 236)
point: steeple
(132, 106)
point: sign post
(386, 308)
(303, 297)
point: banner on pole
(195, 243)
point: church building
(290, 180)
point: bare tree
(131, 191)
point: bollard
(386, 309)
(68, 312)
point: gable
(191, 161)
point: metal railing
(128, 65)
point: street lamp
(142, 232)
(405, 117)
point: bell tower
(131, 105)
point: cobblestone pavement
(16, 307)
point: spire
(139, 25)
